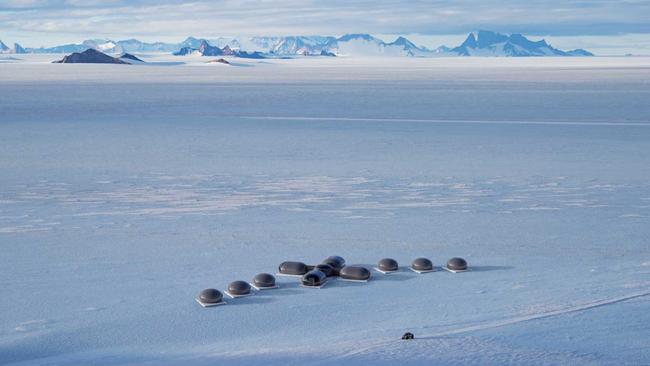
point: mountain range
(481, 43)
(16, 48)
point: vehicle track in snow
(502, 322)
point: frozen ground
(125, 190)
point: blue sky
(47, 22)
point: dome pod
(239, 289)
(422, 265)
(354, 273)
(293, 268)
(457, 264)
(326, 268)
(264, 281)
(210, 297)
(335, 261)
(387, 265)
(315, 279)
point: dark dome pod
(355, 273)
(239, 288)
(210, 296)
(325, 268)
(264, 280)
(422, 264)
(388, 265)
(457, 264)
(314, 278)
(335, 261)
(293, 268)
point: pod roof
(388, 264)
(422, 264)
(357, 273)
(293, 268)
(457, 264)
(264, 280)
(314, 278)
(210, 296)
(325, 268)
(239, 288)
(335, 261)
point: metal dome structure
(296, 269)
(264, 281)
(355, 273)
(335, 261)
(314, 279)
(210, 297)
(387, 265)
(422, 265)
(456, 264)
(239, 289)
(326, 268)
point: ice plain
(125, 190)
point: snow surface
(126, 190)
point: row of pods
(317, 276)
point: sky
(618, 26)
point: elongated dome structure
(388, 265)
(264, 280)
(457, 264)
(210, 296)
(314, 278)
(422, 265)
(293, 268)
(239, 288)
(335, 261)
(325, 268)
(354, 273)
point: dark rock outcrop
(90, 56)
(129, 57)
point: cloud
(175, 18)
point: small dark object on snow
(408, 335)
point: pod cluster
(318, 275)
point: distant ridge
(481, 43)
(206, 49)
(487, 43)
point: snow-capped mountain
(4, 48)
(206, 49)
(487, 43)
(16, 48)
(19, 49)
(366, 45)
(482, 43)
